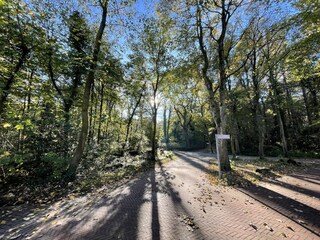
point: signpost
(220, 137)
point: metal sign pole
(220, 137)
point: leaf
(284, 235)
(6, 125)
(72, 197)
(290, 228)
(3, 222)
(19, 127)
(253, 226)
(268, 227)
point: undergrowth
(245, 172)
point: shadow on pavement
(299, 212)
(188, 160)
(299, 189)
(123, 215)
(302, 214)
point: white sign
(220, 137)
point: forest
(88, 87)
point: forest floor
(179, 199)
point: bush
(57, 164)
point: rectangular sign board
(222, 136)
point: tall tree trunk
(165, 124)
(168, 127)
(233, 122)
(219, 116)
(186, 135)
(132, 115)
(154, 130)
(96, 103)
(276, 100)
(290, 110)
(5, 91)
(305, 99)
(100, 111)
(222, 128)
(75, 161)
(91, 115)
(257, 108)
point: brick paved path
(175, 201)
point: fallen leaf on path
(284, 235)
(290, 228)
(268, 227)
(253, 226)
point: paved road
(176, 201)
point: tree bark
(224, 159)
(276, 101)
(219, 116)
(5, 91)
(75, 161)
(165, 124)
(168, 127)
(132, 115)
(259, 119)
(305, 99)
(100, 111)
(154, 131)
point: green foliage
(161, 63)
(57, 163)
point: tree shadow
(120, 215)
(307, 179)
(195, 164)
(300, 213)
(295, 188)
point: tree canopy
(84, 82)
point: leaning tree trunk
(75, 161)
(9, 81)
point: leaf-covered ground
(91, 175)
(248, 171)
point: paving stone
(153, 205)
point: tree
(17, 38)
(217, 29)
(74, 162)
(155, 48)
